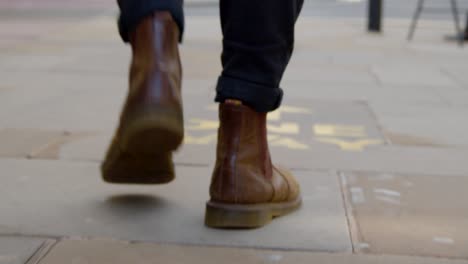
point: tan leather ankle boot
(246, 190)
(151, 123)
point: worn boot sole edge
(122, 168)
(133, 175)
(236, 216)
(152, 178)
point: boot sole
(152, 135)
(126, 169)
(234, 216)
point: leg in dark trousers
(151, 126)
(132, 12)
(257, 45)
(247, 190)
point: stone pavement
(374, 127)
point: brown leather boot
(246, 190)
(151, 123)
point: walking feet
(246, 191)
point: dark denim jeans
(257, 46)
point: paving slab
(75, 202)
(25, 143)
(201, 61)
(350, 75)
(31, 62)
(116, 252)
(443, 131)
(424, 215)
(298, 126)
(457, 72)
(71, 102)
(17, 250)
(435, 124)
(403, 74)
(414, 155)
(52, 101)
(308, 134)
(97, 60)
(457, 96)
(398, 159)
(395, 94)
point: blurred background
(374, 127)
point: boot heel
(150, 135)
(236, 216)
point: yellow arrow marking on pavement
(357, 145)
(329, 130)
(275, 140)
(284, 128)
(203, 140)
(276, 115)
(290, 143)
(202, 124)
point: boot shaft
(243, 169)
(156, 70)
(155, 41)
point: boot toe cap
(293, 186)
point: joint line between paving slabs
(37, 236)
(377, 123)
(42, 251)
(456, 79)
(347, 209)
(374, 75)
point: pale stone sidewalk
(374, 128)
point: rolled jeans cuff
(260, 98)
